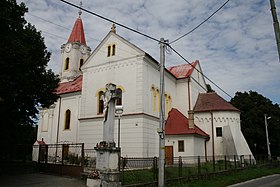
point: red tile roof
(77, 34)
(68, 87)
(212, 102)
(178, 124)
(182, 71)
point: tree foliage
(253, 107)
(26, 83)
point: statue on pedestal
(107, 159)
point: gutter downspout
(205, 147)
(213, 144)
(189, 94)
(57, 132)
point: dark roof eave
(68, 92)
(215, 110)
(196, 134)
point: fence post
(198, 164)
(180, 166)
(250, 160)
(234, 161)
(62, 154)
(122, 169)
(39, 154)
(83, 157)
(46, 154)
(155, 168)
(225, 162)
(214, 169)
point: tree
(25, 82)
(253, 106)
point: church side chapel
(197, 123)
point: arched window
(166, 104)
(158, 96)
(67, 61)
(109, 51)
(119, 100)
(45, 121)
(67, 119)
(81, 62)
(170, 102)
(154, 97)
(113, 49)
(100, 102)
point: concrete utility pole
(161, 116)
(267, 138)
(275, 25)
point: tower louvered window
(67, 61)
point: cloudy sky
(236, 47)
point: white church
(197, 123)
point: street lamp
(267, 138)
(118, 112)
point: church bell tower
(74, 53)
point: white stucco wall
(229, 121)
(137, 134)
(193, 145)
(181, 102)
(49, 134)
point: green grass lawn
(228, 179)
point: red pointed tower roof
(77, 34)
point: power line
(200, 23)
(133, 30)
(109, 20)
(61, 26)
(199, 71)
(48, 21)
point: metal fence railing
(66, 154)
(145, 170)
(89, 160)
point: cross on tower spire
(80, 11)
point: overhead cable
(199, 71)
(200, 23)
(152, 38)
(109, 20)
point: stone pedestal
(110, 179)
(93, 182)
(107, 162)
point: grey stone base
(111, 179)
(110, 176)
(107, 162)
(107, 158)
(111, 184)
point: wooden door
(169, 155)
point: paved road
(40, 180)
(46, 180)
(268, 181)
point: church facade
(191, 127)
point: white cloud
(236, 47)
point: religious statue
(109, 99)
